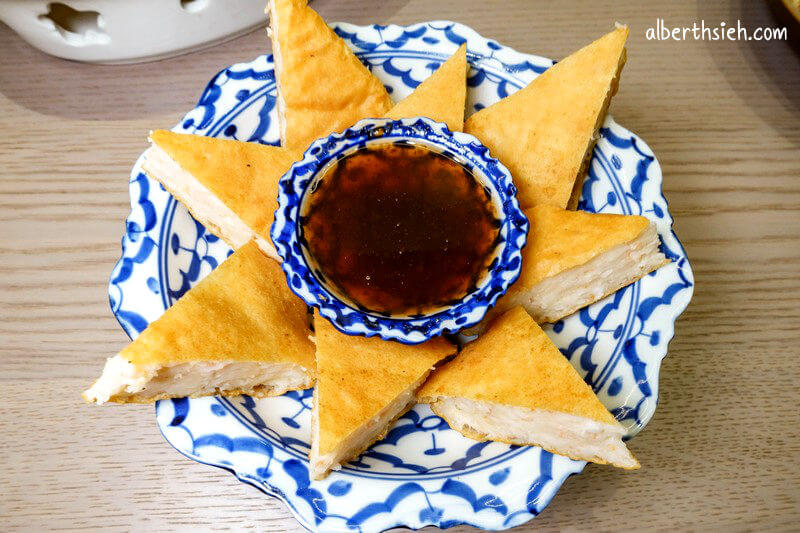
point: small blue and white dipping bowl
(310, 285)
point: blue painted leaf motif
(237, 444)
(132, 320)
(211, 238)
(473, 452)
(264, 119)
(339, 488)
(299, 473)
(619, 142)
(655, 336)
(430, 515)
(502, 89)
(147, 207)
(126, 265)
(398, 432)
(430, 40)
(207, 101)
(648, 305)
(188, 123)
(586, 318)
(249, 405)
(611, 198)
(617, 332)
(638, 367)
(218, 410)
(395, 497)
(534, 500)
(493, 45)
(615, 386)
(242, 94)
(405, 75)
(290, 422)
(175, 243)
(355, 41)
(152, 284)
(462, 490)
(558, 327)
(499, 476)
(616, 161)
(210, 261)
(476, 79)
(180, 408)
(230, 131)
(657, 211)
(453, 37)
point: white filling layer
(561, 433)
(121, 380)
(201, 202)
(558, 296)
(359, 440)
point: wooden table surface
(723, 119)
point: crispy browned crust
(577, 187)
(411, 403)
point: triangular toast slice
(513, 385)
(322, 85)
(363, 385)
(230, 187)
(575, 258)
(441, 96)
(239, 331)
(545, 132)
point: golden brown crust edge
(411, 403)
(577, 186)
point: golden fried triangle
(363, 385)
(239, 331)
(545, 132)
(513, 385)
(231, 187)
(575, 258)
(322, 85)
(441, 96)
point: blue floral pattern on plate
(309, 283)
(423, 473)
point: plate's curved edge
(131, 330)
(540, 490)
(686, 295)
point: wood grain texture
(724, 120)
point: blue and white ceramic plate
(422, 473)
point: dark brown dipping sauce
(400, 229)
